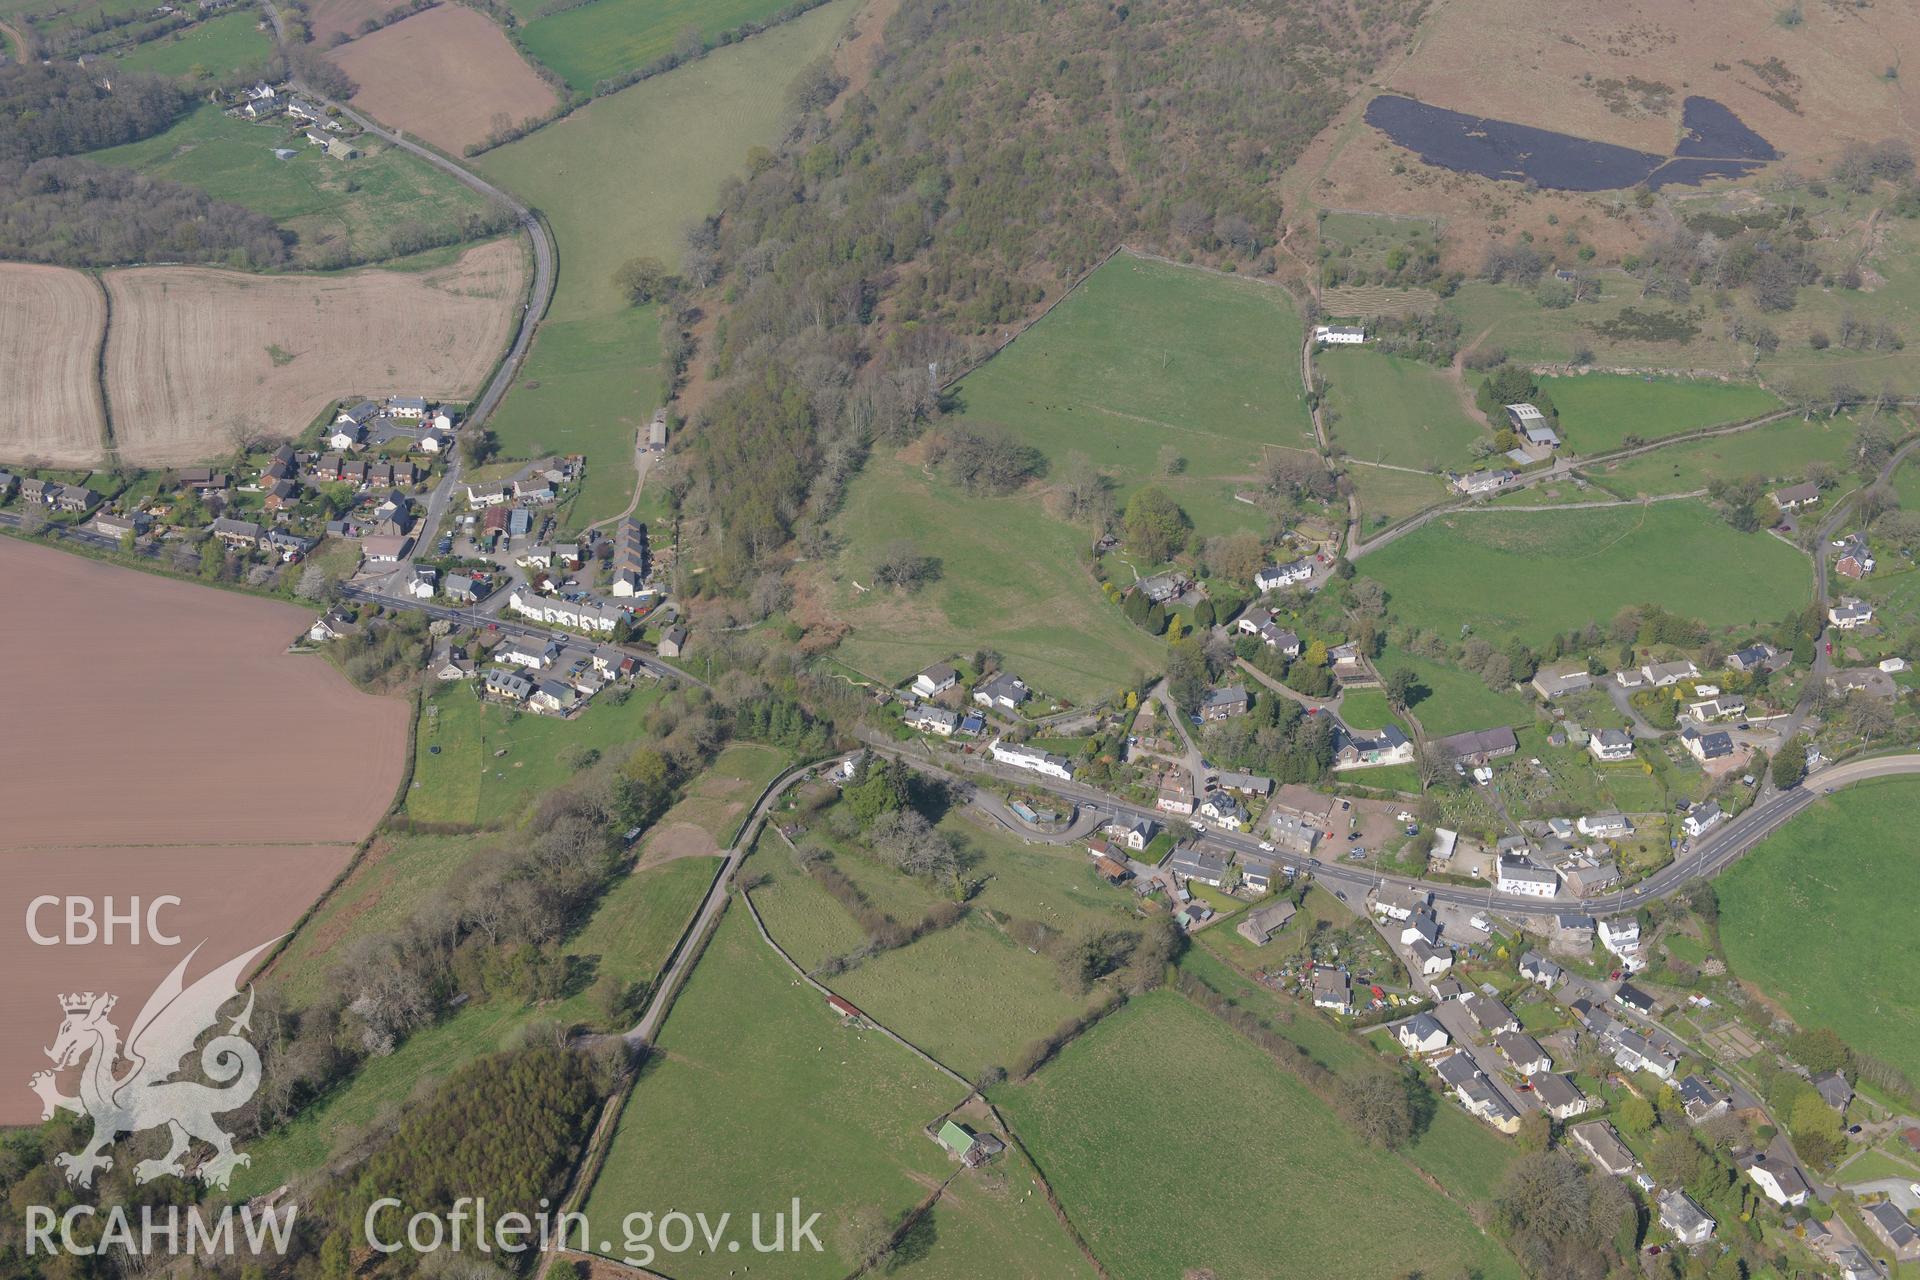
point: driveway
(1623, 703)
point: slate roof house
(1479, 746)
(1259, 925)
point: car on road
(1914, 1187)
(1265, 847)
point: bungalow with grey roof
(1246, 783)
(1795, 496)
(1663, 674)
(505, 682)
(1751, 658)
(1701, 1101)
(1893, 1228)
(1602, 1144)
(1189, 862)
(1490, 1015)
(1558, 681)
(1260, 924)
(1480, 745)
(1388, 746)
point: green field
(1012, 578)
(1011, 996)
(1851, 862)
(719, 799)
(1780, 451)
(215, 50)
(1366, 709)
(1144, 355)
(594, 374)
(1387, 495)
(1533, 573)
(587, 387)
(332, 206)
(1456, 701)
(785, 1101)
(1396, 411)
(468, 780)
(602, 39)
(1278, 1195)
(1599, 410)
(630, 935)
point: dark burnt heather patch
(1713, 131)
(1717, 145)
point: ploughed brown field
(51, 321)
(327, 18)
(446, 74)
(159, 740)
(198, 355)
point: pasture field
(1138, 1209)
(830, 1113)
(1387, 495)
(1012, 578)
(1906, 485)
(333, 207)
(630, 935)
(1529, 574)
(1599, 410)
(446, 74)
(1396, 411)
(1013, 996)
(1144, 355)
(710, 810)
(190, 356)
(605, 38)
(52, 321)
(1455, 701)
(1852, 861)
(1780, 451)
(593, 377)
(676, 137)
(459, 778)
(213, 51)
(587, 387)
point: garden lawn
(1599, 410)
(212, 51)
(600, 40)
(1530, 574)
(1455, 701)
(1144, 355)
(1012, 578)
(752, 1062)
(1140, 1210)
(467, 781)
(1780, 451)
(1851, 862)
(1396, 411)
(1365, 709)
(623, 178)
(333, 206)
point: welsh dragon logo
(145, 1095)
